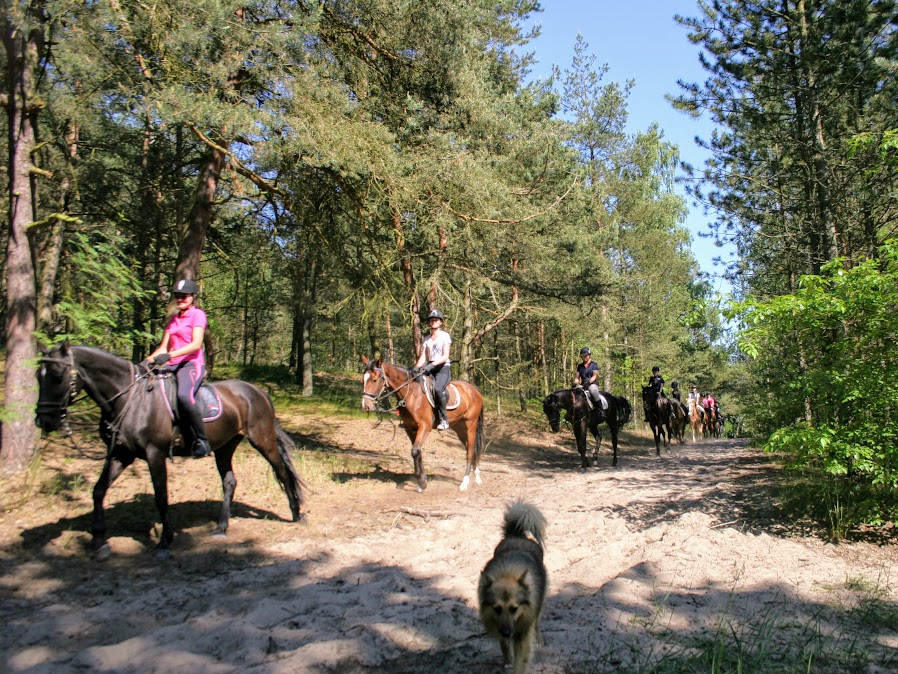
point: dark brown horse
(135, 423)
(382, 380)
(657, 410)
(712, 422)
(583, 418)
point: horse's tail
(624, 410)
(296, 484)
(478, 439)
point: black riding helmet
(585, 351)
(656, 369)
(436, 313)
(186, 286)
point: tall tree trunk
(389, 328)
(408, 278)
(522, 398)
(606, 338)
(308, 379)
(198, 220)
(543, 359)
(148, 212)
(23, 26)
(466, 352)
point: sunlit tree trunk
(23, 25)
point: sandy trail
(645, 561)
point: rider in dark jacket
(656, 381)
(588, 375)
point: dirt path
(656, 560)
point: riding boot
(201, 446)
(441, 410)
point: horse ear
(364, 360)
(64, 347)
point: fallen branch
(426, 514)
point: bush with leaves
(824, 357)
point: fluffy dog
(513, 585)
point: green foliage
(96, 301)
(791, 87)
(825, 356)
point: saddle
(603, 401)
(206, 398)
(452, 394)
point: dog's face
(507, 601)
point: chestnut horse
(696, 418)
(382, 380)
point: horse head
(58, 383)
(552, 408)
(373, 383)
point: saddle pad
(454, 396)
(207, 399)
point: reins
(114, 421)
(386, 391)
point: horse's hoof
(103, 553)
(464, 484)
(219, 534)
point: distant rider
(656, 382)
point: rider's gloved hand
(160, 359)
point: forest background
(331, 171)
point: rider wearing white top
(434, 360)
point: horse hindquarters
(248, 412)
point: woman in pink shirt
(181, 351)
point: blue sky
(639, 40)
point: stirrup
(201, 449)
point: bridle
(385, 391)
(113, 420)
(72, 388)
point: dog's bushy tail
(522, 518)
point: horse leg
(275, 445)
(418, 439)
(468, 437)
(159, 476)
(112, 468)
(656, 433)
(580, 431)
(614, 429)
(223, 461)
(598, 443)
